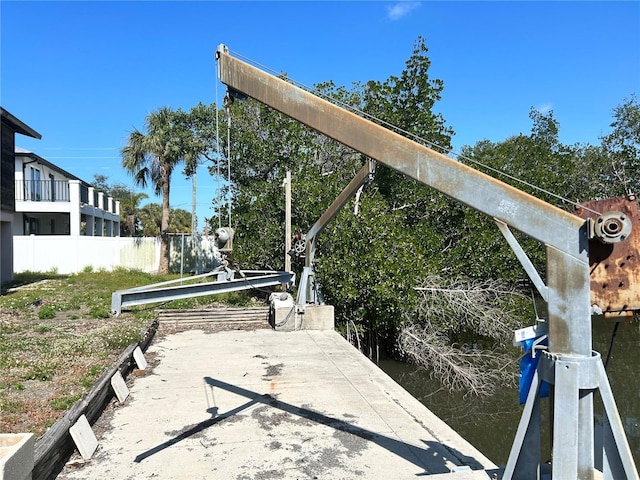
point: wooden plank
(213, 315)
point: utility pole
(194, 220)
(287, 222)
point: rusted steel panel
(615, 267)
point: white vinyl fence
(72, 254)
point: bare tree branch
(451, 306)
(471, 370)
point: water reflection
(490, 423)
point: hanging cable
(434, 146)
(613, 338)
(229, 157)
(219, 157)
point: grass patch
(119, 337)
(93, 372)
(238, 299)
(40, 370)
(99, 311)
(46, 312)
(57, 337)
(235, 299)
(42, 329)
(26, 278)
(64, 402)
(8, 405)
(17, 386)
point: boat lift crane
(569, 365)
(221, 279)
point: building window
(31, 226)
(52, 181)
(35, 187)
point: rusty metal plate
(615, 267)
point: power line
(82, 149)
(82, 157)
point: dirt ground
(46, 366)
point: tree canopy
(151, 220)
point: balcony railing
(59, 191)
(42, 190)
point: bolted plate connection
(614, 255)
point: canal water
(490, 423)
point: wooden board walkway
(256, 316)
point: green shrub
(65, 402)
(46, 312)
(99, 311)
(238, 299)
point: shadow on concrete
(197, 428)
(432, 459)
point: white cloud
(400, 9)
(545, 108)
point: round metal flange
(612, 227)
(222, 235)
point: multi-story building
(52, 201)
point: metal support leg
(525, 451)
(586, 461)
(617, 459)
(305, 292)
(565, 421)
(575, 380)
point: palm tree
(151, 158)
(130, 212)
(129, 203)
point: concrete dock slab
(273, 405)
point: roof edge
(21, 152)
(19, 125)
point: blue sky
(84, 74)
